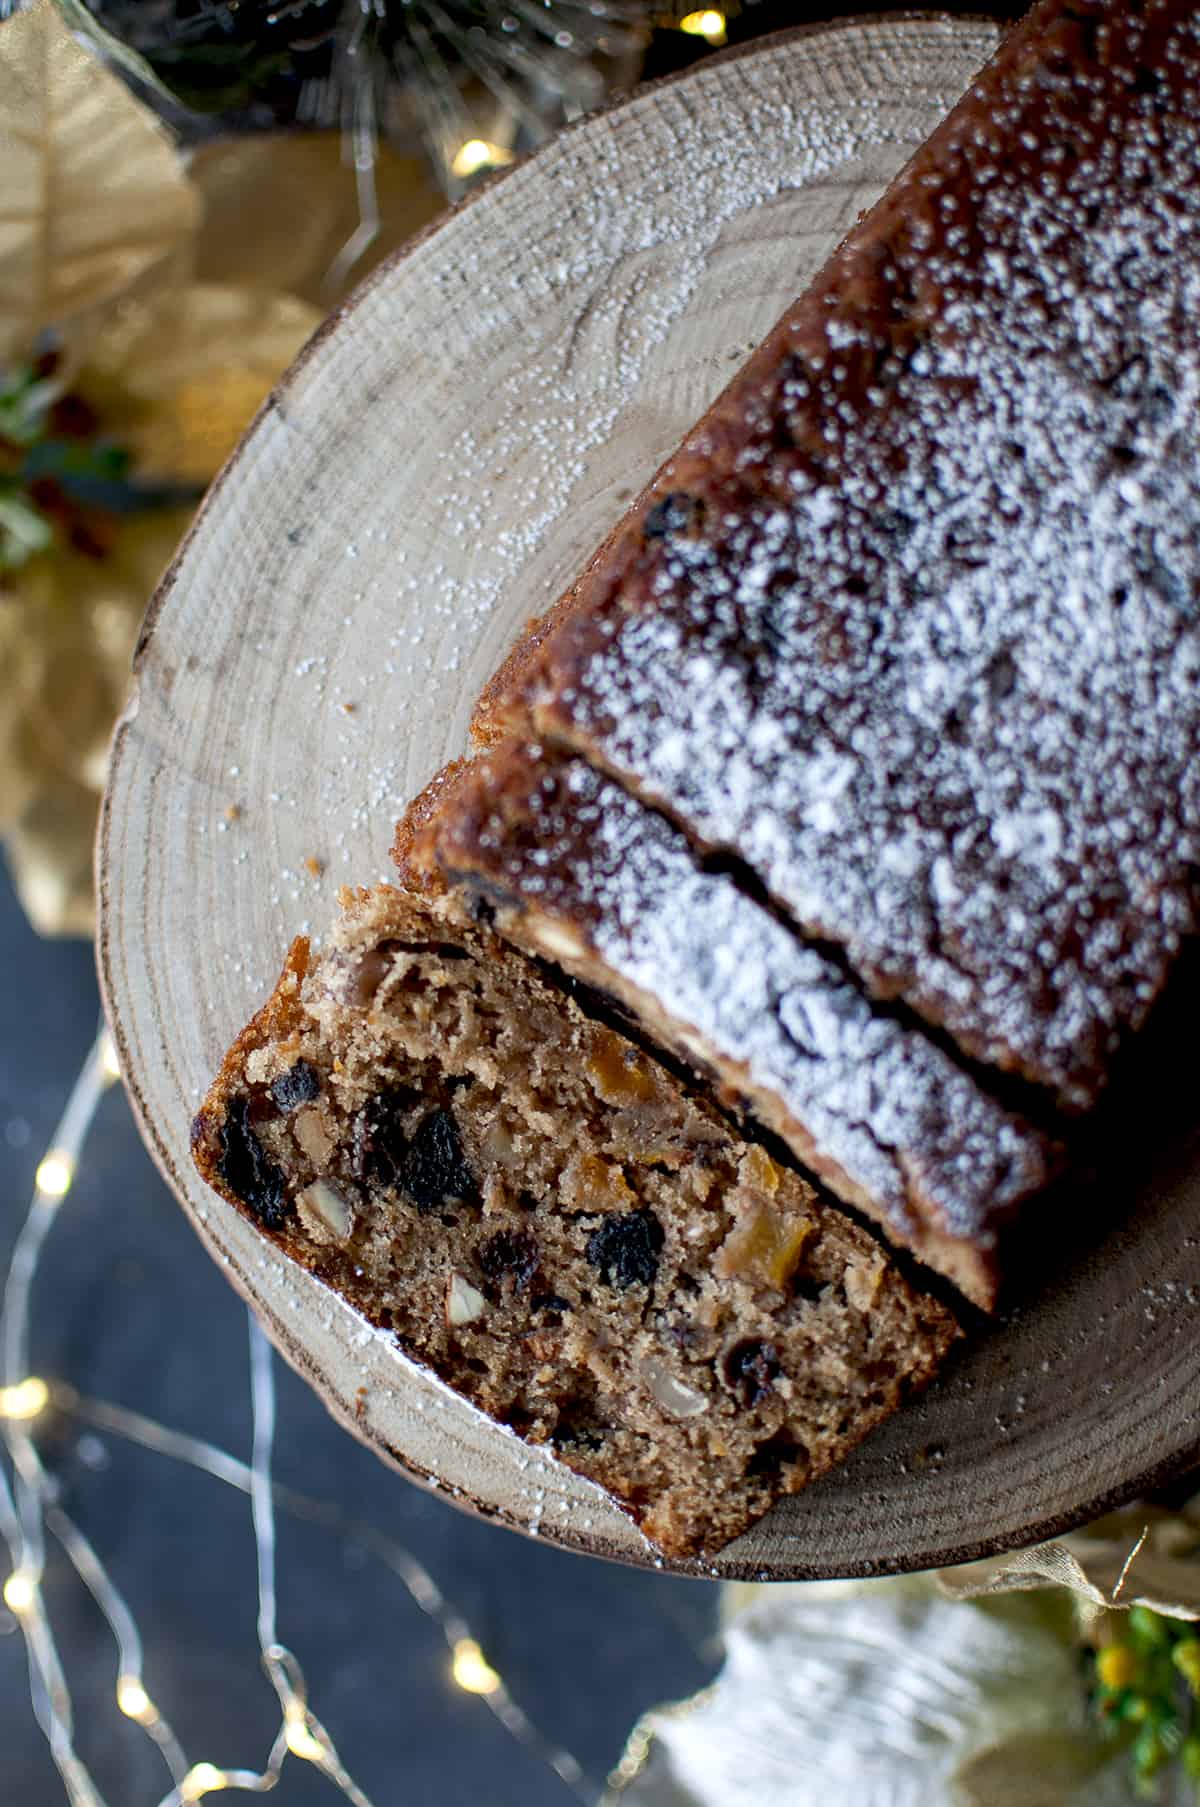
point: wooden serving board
(434, 468)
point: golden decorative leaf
(50, 855)
(18, 761)
(178, 382)
(93, 195)
(279, 210)
(67, 629)
(1040, 1769)
(1140, 1556)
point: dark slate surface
(129, 1308)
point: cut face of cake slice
(575, 870)
(910, 625)
(558, 1226)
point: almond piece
(675, 1397)
(464, 1302)
(324, 1212)
(314, 1140)
(553, 939)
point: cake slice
(573, 869)
(909, 626)
(559, 1226)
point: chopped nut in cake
(565, 858)
(557, 1225)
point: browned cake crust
(557, 1226)
(910, 624)
(577, 871)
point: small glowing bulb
(133, 1699)
(25, 1400)
(19, 1591)
(471, 1669)
(708, 24)
(300, 1740)
(108, 1058)
(202, 1779)
(476, 154)
(55, 1173)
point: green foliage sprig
(1145, 1688)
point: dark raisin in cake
(910, 625)
(556, 1225)
(578, 871)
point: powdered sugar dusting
(474, 527)
(633, 275)
(927, 653)
(917, 1139)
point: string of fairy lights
(31, 1514)
(473, 156)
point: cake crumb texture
(550, 1220)
(583, 874)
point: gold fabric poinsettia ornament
(141, 324)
